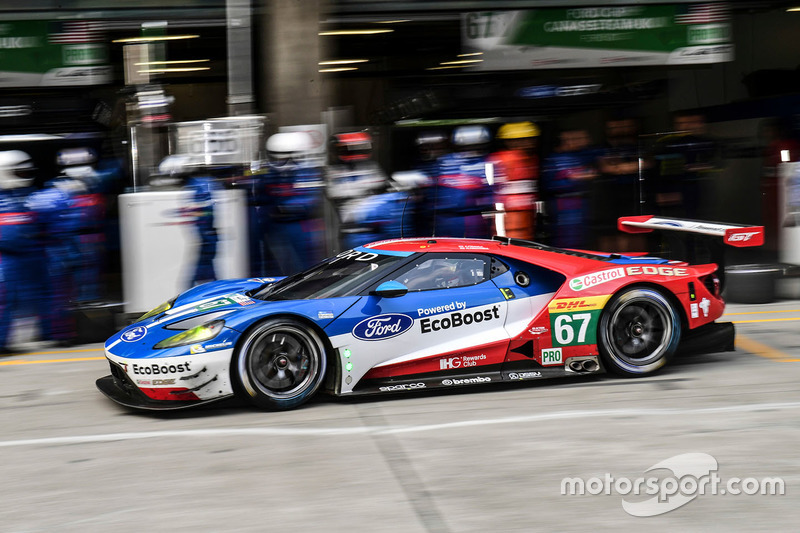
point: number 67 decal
(565, 326)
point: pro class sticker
(552, 356)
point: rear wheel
(639, 332)
(280, 364)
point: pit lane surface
(489, 458)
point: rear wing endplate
(732, 234)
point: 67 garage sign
(573, 321)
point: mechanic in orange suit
(516, 172)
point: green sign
(601, 36)
(40, 53)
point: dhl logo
(589, 303)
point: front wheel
(639, 332)
(280, 364)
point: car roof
(569, 262)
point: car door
(451, 321)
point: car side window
(442, 272)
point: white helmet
(466, 137)
(76, 157)
(176, 165)
(289, 146)
(16, 169)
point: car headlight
(197, 334)
(166, 306)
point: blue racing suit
(461, 195)
(58, 223)
(20, 257)
(201, 207)
(292, 219)
(378, 217)
(568, 194)
(88, 202)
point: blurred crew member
(567, 175)
(199, 208)
(685, 162)
(616, 190)
(430, 145)
(59, 222)
(88, 204)
(20, 256)
(517, 178)
(463, 190)
(353, 182)
(292, 220)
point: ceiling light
(175, 62)
(161, 70)
(470, 54)
(399, 21)
(353, 32)
(793, 9)
(462, 62)
(442, 68)
(133, 40)
(343, 61)
(340, 69)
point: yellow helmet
(518, 130)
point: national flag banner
(75, 31)
(709, 13)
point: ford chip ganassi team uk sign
(602, 36)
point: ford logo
(381, 327)
(133, 335)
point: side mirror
(390, 289)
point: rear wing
(732, 234)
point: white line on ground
(361, 430)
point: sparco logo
(524, 375)
(454, 320)
(466, 381)
(382, 327)
(404, 386)
(160, 369)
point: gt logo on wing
(742, 237)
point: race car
(422, 313)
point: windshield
(343, 275)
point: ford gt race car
(413, 314)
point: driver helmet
(16, 170)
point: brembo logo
(382, 327)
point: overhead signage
(40, 53)
(681, 34)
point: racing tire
(639, 332)
(280, 364)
